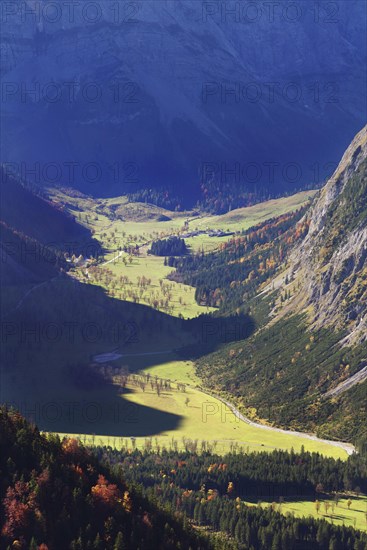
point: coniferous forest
(57, 494)
(174, 246)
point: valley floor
(206, 421)
(175, 416)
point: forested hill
(56, 496)
(229, 277)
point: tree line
(57, 494)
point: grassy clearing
(177, 371)
(251, 215)
(339, 514)
(117, 218)
(167, 296)
(62, 404)
(244, 218)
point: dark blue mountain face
(111, 97)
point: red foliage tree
(105, 493)
(19, 506)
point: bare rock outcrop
(332, 260)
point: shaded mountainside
(179, 84)
(36, 217)
(35, 234)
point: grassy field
(116, 223)
(198, 417)
(173, 415)
(337, 513)
(118, 220)
(244, 218)
(160, 293)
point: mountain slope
(332, 260)
(31, 214)
(315, 338)
(57, 495)
(152, 92)
(35, 234)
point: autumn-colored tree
(105, 492)
(73, 447)
(19, 504)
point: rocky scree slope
(333, 256)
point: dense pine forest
(174, 246)
(249, 475)
(57, 494)
(210, 490)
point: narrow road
(114, 259)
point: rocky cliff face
(152, 91)
(332, 261)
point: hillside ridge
(331, 262)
